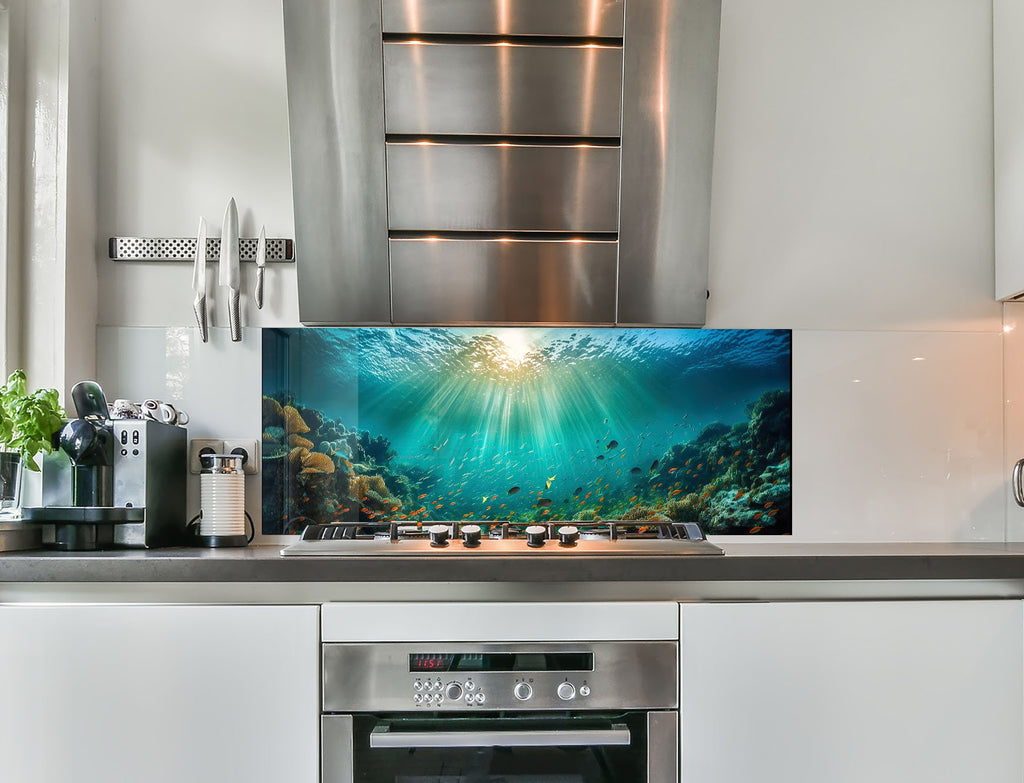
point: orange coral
(293, 421)
(318, 462)
(297, 440)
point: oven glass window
(617, 752)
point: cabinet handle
(1018, 489)
(383, 737)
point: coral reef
(317, 462)
(293, 421)
(297, 440)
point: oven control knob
(568, 535)
(453, 691)
(584, 690)
(471, 535)
(438, 535)
(535, 535)
(522, 691)
(566, 691)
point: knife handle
(234, 317)
(258, 294)
(199, 306)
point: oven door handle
(382, 737)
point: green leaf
(28, 422)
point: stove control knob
(535, 535)
(453, 691)
(523, 691)
(584, 690)
(568, 535)
(566, 691)
(471, 535)
(438, 535)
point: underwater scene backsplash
(523, 425)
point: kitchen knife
(199, 282)
(261, 262)
(229, 275)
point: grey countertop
(742, 562)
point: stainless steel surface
(513, 281)
(596, 18)
(376, 677)
(199, 282)
(505, 89)
(501, 548)
(670, 83)
(662, 747)
(221, 463)
(229, 272)
(464, 80)
(150, 468)
(261, 262)
(502, 187)
(279, 251)
(336, 748)
(19, 536)
(336, 120)
(383, 737)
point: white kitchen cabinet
(852, 692)
(159, 694)
(1008, 151)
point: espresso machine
(112, 482)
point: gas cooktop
(604, 537)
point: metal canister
(222, 498)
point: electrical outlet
(249, 449)
(199, 446)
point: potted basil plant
(28, 423)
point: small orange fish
(633, 499)
(721, 460)
(766, 505)
(737, 452)
(758, 515)
(748, 464)
(757, 529)
(422, 496)
(701, 465)
(544, 512)
(773, 512)
(740, 494)
(688, 462)
(672, 470)
(675, 492)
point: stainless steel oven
(518, 712)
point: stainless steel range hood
(502, 161)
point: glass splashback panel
(527, 424)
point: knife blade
(229, 274)
(261, 262)
(199, 282)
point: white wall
(852, 203)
